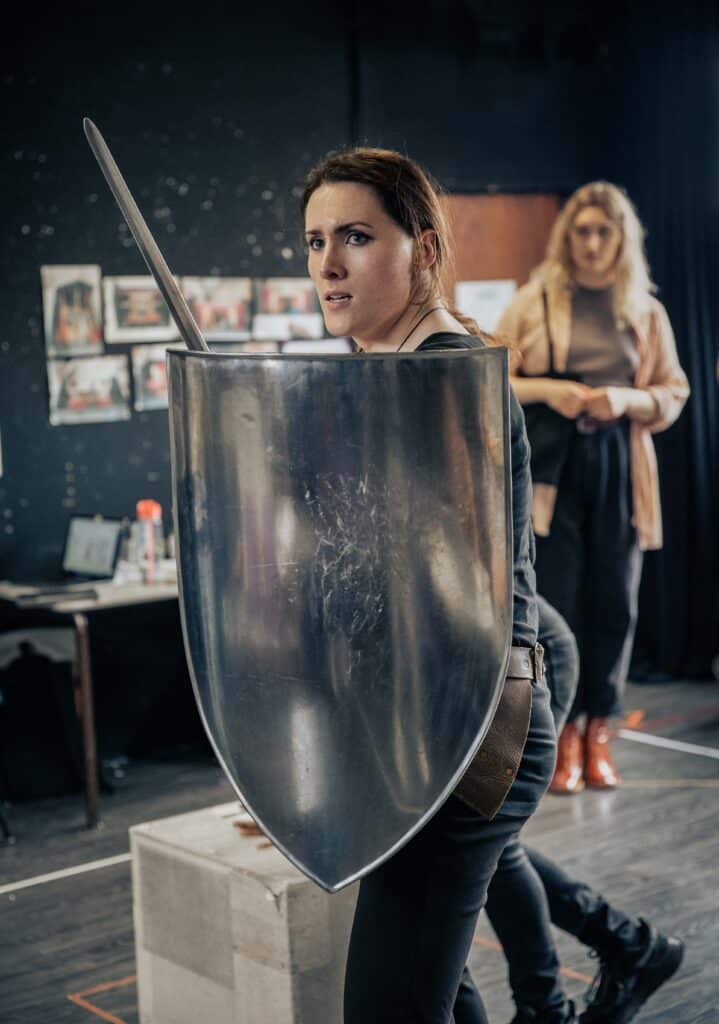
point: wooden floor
(652, 847)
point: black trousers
(517, 904)
(589, 566)
(416, 916)
(529, 892)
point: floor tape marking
(661, 741)
(55, 876)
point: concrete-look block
(228, 931)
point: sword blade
(181, 314)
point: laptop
(92, 547)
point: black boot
(623, 984)
(529, 1016)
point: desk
(79, 610)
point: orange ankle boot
(599, 770)
(568, 775)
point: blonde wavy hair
(633, 284)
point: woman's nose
(331, 265)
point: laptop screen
(91, 547)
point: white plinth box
(227, 931)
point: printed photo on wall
(484, 301)
(320, 346)
(268, 346)
(136, 311)
(72, 310)
(89, 390)
(285, 308)
(149, 375)
(222, 306)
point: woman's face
(594, 241)
(359, 259)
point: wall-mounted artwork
(285, 308)
(72, 310)
(136, 311)
(149, 375)
(254, 346)
(89, 390)
(222, 306)
(321, 346)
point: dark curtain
(664, 98)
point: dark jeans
(584, 913)
(517, 904)
(589, 566)
(416, 916)
(528, 891)
(561, 660)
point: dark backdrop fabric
(238, 105)
(665, 64)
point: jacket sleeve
(668, 384)
(510, 328)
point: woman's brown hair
(410, 197)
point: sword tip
(88, 126)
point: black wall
(238, 106)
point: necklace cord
(423, 317)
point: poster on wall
(72, 310)
(262, 347)
(149, 375)
(285, 308)
(89, 390)
(222, 306)
(320, 346)
(484, 301)
(136, 311)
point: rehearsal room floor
(66, 944)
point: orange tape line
(679, 717)
(79, 998)
(96, 1010)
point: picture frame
(149, 377)
(89, 390)
(286, 308)
(72, 309)
(135, 311)
(222, 306)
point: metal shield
(344, 549)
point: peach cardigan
(658, 372)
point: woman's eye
(357, 238)
(314, 243)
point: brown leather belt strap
(494, 768)
(526, 663)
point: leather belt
(526, 663)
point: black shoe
(619, 990)
(566, 1016)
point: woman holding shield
(377, 243)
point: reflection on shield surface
(344, 531)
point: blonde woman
(598, 376)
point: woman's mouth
(337, 300)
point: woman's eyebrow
(341, 227)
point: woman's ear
(427, 249)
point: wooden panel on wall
(500, 236)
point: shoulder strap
(550, 339)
